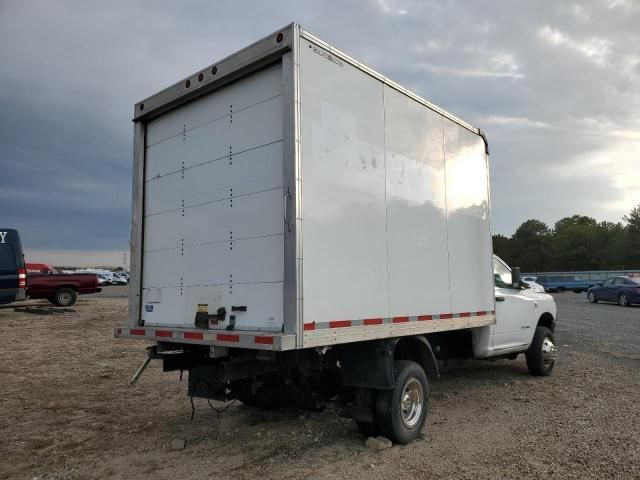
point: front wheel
(401, 412)
(542, 353)
(65, 297)
(592, 297)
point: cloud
(554, 87)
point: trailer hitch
(152, 353)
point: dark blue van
(13, 276)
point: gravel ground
(67, 411)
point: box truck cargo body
(290, 197)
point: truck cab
(521, 315)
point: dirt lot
(67, 411)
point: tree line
(574, 243)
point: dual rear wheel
(399, 414)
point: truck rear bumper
(235, 339)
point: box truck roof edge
(253, 58)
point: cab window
(501, 274)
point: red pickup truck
(59, 288)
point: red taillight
(22, 278)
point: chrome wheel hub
(549, 352)
(412, 403)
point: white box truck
(305, 229)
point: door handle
(499, 299)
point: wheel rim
(64, 298)
(549, 352)
(412, 403)
(623, 299)
(592, 297)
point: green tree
(530, 246)
(631, 242)
(502, 248)
(575, 242)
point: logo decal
(327, 55)
(148, 308)
(2, 236)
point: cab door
(514, 311)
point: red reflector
(264, 340)
(400, 319)
(465, 314)
(425, 317)
(136, 331)
(444, 316)
(481, 313)
(200, 77)
(187, 83)
(309, 326)
(372, 321)
(279, 37)
(164, 333)
(214, 70)
(340, 324)
(118, 331)
(225, 337)
(193, 335)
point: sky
(554, 85)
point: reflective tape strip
(398, 319)
(372, 321)
(340, 324)
(137, 331)
(226, 337)
(262, 340)
(193, 336)
(164, 333)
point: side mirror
(515, 277)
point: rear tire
(402, 412)
(622, 300)
(591, 296)
(542, 353)
(65, 297)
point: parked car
(119, 279)
(12, 268)
(102, 279)
(622, 290)
(533, 285)
(560, 283)
(529, 278)
(61, 289)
